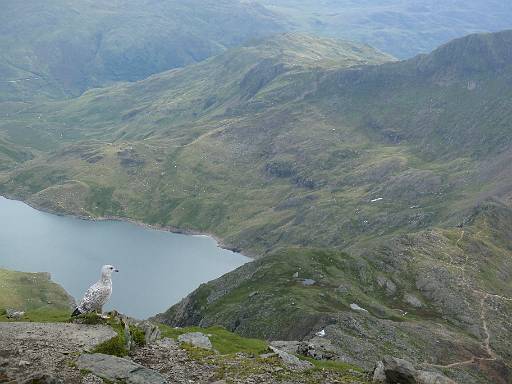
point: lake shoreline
(180, 231)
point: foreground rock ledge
(115, 368)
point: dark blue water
(157, 268)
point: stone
(342, 289)
(151, 332)
(295, 275)
(425, 377)
(308, 282)
(379, 375)
(357, 308)
(392, 370)
(23, 363)
(117, 369)
(286, 346)
(128, 339)
(292, 362)
(398, 370)
(267, 355)
(14, 314)
(319, 349)
(197, 339)
(412, 300)
(91, 379)
(42, 378)
(387, 284)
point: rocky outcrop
(28, 348)
(292, 362)
(392, 370)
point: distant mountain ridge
(402, 28)
(61, 48)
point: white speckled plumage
(98, 294)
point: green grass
(36, 295)
(223, 341)
(333, 365)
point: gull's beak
(116, 270)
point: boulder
(319, 349)
(117, 369)
(379, 375)
(425, 377)
(292, 362)
(412, 300)
(151, 332)
(14, 314)
(399, 371)
(357, 308)
(197, 339)
(392, 370)
(286, 346)
(387, 284)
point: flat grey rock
(292, 362)
(357, 308)
(425, 377)
(70, 335)
(393, 370)
(320, 349)
(286, 346)
(399, 370)
(197, 339)
(412, 300)
(115, 368)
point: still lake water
(157, 268)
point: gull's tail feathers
(76, 312)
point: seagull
(98, 293)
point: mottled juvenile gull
(98, 294)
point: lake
(157, 268)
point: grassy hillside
(35, 294)
(432, 296)
(308, 142)
(319, 157)
(61, 48)
(403, 28)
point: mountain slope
(310, 145)
(356, 174)
(437, 297)
(61, 48)
(185, 96)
